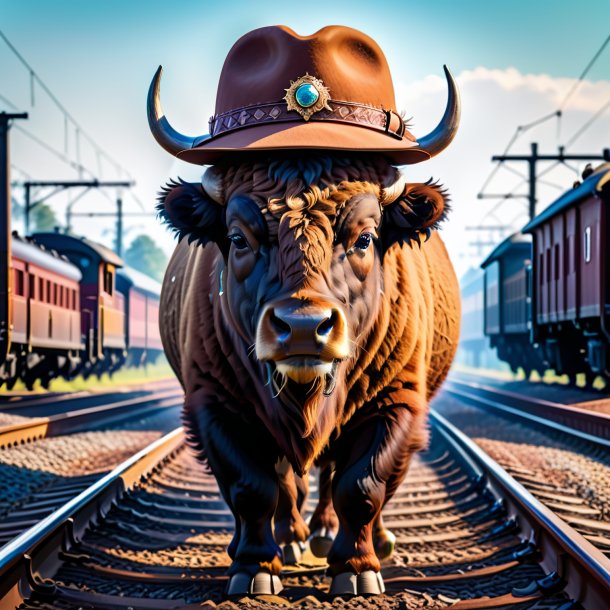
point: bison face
(301, 281)
(311, 291)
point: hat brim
(312, 136)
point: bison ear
(190, 211)
(419, 210)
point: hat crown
(261, 65)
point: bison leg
(291, 531)
(371, 462)
(242, 458)
(323, 523)
(384, 540)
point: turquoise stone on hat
(306, 95)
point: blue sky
(98, 58)
(535, 35)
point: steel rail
(584, 568)
(40, 550)
(11, 404)
(72, 421)
(587, 425)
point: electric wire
(68, 117)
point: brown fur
(407, 335)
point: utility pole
(533, 158)
(5, 233)
(61, 186)
(479, 243)
(119, 215)
(119, 227)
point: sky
(514, 62)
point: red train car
(141, 295)
(102, 306)
(45, 324)
(571, 288)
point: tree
(16, 209)
(144, 255)
(43, 218)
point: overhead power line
(521, 129)
(584, 73)
(68, 117)
(588, 124)
(57, 153)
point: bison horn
(393, 191)
(438, 139)
(173, 141)
(211, 181)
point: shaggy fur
(400, 299)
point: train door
(590, 259)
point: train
(546, 289)
(76, 309)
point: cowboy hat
(331, 91)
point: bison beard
(304, 416)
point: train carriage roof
(592, 185)
(64, 243)
(29, 251)
(140, 281)
(501, 249)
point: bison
(310, 311)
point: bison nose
(301, 329)
(291, 328)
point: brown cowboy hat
(328, 91)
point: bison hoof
(320, 542)
(384, 542)
(263, 583)
(365, 583)
(292, 553)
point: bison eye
(364, 241)
(239, 241)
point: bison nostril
(279, 326)
(327, 325)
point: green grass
(124, 376)
(549, 377)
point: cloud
(494, 103)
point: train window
(74, 299)
(108, 281)
(40, 289)
(19, 283)
(61, 296)
(556, 262)
(48, 292)
(587, 245)
(32, 286)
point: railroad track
(576, 504)
(152, 535)
(30, 429)
(587, 421)
(52, 403)
(37, 478)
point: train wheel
(590, 379)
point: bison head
(300, 276)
